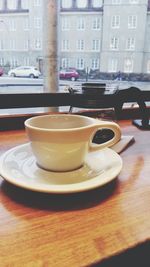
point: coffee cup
(61, 142)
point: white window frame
(80, 63)
(12, 44)
(25, 4)
(37, 22)
(12, 4)
(112, 65)
(66, 3)
(82, 3)
(65, 45)
(115, 22)
(37, 44)
(97, 3)
(65, 24)
(114, 43)
(80, 24)
(130, 43)
(26, 24)
(96, 45)
(96, 23)
(80, 45)
(132, 21)
(12, 25)
(37, 3)
(95, 63)
(128, 65)
(133, 1)
(65, 63)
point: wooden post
(50, 46)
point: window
(97, 3)
(130, 43)
(114, 43)
(115, 21)
(12, 4)
(134, 1)
(128, 65)
(112, 65)
(80, 23)
(37, 23)
(25, 4)
(26, 44)
(2, 61)
(81, 4)
(65, 63)
(26, 24)
(1, 4)
(37, 2)
(132, 21)
(80, 45)
(37, 43)
(12, 25)
(1, 44)
(80, 63)
(96, 45)
(12, 44)
(116, 2)
(148, 66)
(65, 45)
(96, 23)
(65, 23)
(95, 63)
(66, 3)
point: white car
(24, 71)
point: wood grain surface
(82, 229)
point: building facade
(104, 35)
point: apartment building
(105, 35)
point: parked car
(24, 71)
(70, 74)
(1, 71)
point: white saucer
(18, 166)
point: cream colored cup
(61, 142)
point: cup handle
(107, 125)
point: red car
(69, 74)
(1, 71)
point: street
(9, 85)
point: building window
(96, 45)
(12, 44)
(97, 3)
(65, 24)
(134, 1)
(26, 44)
(25, 4)
(12, 25)
(1, 4)
(128, 65)
(130, 43)
(37, 23)
(96, 23)
(26, 24)
(148, 66)
(66, 3)
(132, 21)
(116, 2)
(80, 63)
(95, 64)
(80, 23)
(12, 4)
(114, 43)
(112, 65)
(80, 45)
(65, 45)
(81, 4)
(115, 21)
(13, 62)
(1, 44)
(65, 63)
(26, 61)
(37, 44)
(37, 2)
(2, 61)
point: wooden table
(109, 224)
